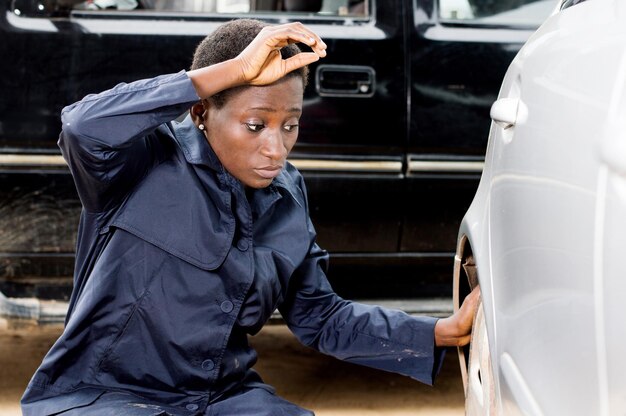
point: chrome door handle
(345, 81)
(504, 112)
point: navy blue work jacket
(176, 266)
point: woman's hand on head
(261, 62)
(456, 330)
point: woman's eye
(291, 127)
(255, 127)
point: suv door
(353, 131)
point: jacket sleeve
(110, 140)
(369, 335)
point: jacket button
(242, 245)
(227, 306)
(192, 407)
(208, 365)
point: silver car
(545, 236)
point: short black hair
(228, 41)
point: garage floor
(323, 384)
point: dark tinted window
(496, 12)
(314, 8)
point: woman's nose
(273, 147)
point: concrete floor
(320, 383)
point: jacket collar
(194, 145)
(283, 181)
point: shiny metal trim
(444, 166)
(32, 160)
(21, 160)
(348, 165)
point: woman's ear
(197, 113)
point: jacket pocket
(119, 404)
(58, 404)
(122, 331)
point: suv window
(495, 12)
(333, 8)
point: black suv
(392, 138)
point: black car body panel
(391, 145)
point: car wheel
(480, 388)
(475, 358)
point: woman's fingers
(260, 63)
(300, 60)
(296, 32)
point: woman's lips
(268, 172)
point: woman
(193, 233)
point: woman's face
(255, 129)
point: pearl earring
(201, 127)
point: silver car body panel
(547, 225)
